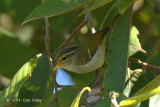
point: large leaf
(13, 53)
(56, 7)
(114, 76)
(146, 92)
(39, 87)
(16, 83)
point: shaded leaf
(39, 87)
(150, 86)
(18, 80)
(67, 95)
(97, 4)
(124, 5)
(77, 99)
(49, 102)
(54, 8)
(117, 58)
(118, 6)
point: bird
(86, 56)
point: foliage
(130, 44)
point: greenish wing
(88, 47)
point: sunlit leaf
(146, 92)
(16, 83)
(139, 98)
(134, 41)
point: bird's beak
(58, 64)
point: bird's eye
(63, 58)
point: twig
(89, 19)
(65, 43)
(143, 63)
(75, 31)
(151, 54)
(47, 38)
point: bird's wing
(88, 47)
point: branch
(47, 38)
(151, 54)
(143, 63)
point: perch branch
(47, 38)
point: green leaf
(134, 41)
(117, 58)
(150, 86)
(77, 99)
(139, 98)
(16, 83)
(118, 6)
(124, 5)
(67, 95)
(146, 92)
(56, 7)
(13, 54)
(39, 87)
(97, 4)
